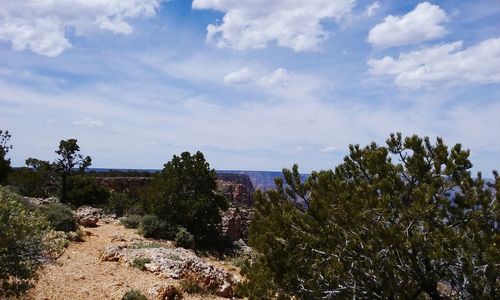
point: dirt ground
(79, 273)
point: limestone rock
(112, 253)
(40, 201)
(175, 263)
(88, 216)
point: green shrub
(31, 182)
(21, 245)
(152, 227)
(55, 242)
(239, 261)
(84, 190)
(131, 221)
(60, 217)
(140, 263)
(134, 294)
(120, 204)
(184, 239)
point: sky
(253, 84)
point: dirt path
(79, 273)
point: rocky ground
(87, 271)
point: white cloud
(446, 64)
(88, 122)
(243, 76)
(278, 78)
(424, 23)
(294, 24)
(372, 9)
(41, 25)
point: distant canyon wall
(237, 188)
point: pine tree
(183, 194)
(376, 229)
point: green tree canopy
(69, 159)
(4, 161)
(375, 229)
(184, 194)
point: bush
(131, 221)
(152, 227)
(184, 239)
(31, 182)
(134, 294)
(21, 245)
(84, 190)
(55, 242)
(120, 204)
(140, 263)
(60, 217)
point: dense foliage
(151, 226)
(376, 229)
(4, 161)
(84, 190)
(60, 217)
(120, 204)
(183, 238)
(21, 246)
(33, 181)
(64, 177)
(183, 194)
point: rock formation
(235, 223)
(40, 201)
(88, 216)
(176, 263)
(237, 188)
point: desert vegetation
(406, 219)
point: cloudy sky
(254, 84)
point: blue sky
(254, 84)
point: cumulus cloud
(277, 78)
(424, 23)
(295, 24)
(447, 64)
(41, 25)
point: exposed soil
(80, 274)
